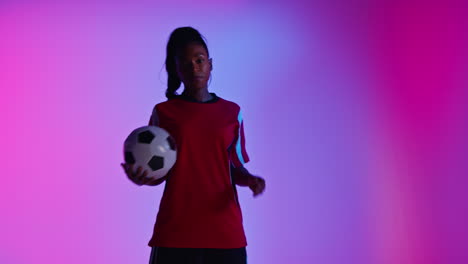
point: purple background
(355, 114)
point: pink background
(355, 114)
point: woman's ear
(211, 63)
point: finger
(134, 175)
(263, 185)
(144, 177)
(257, 186)
(133, 179)
(259, 180)
(129, 169)
(259, 189)
(255, 190)
(137, 174)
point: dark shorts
(163, 255)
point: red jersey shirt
(199, 207)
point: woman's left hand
(257, 185)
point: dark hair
(178, 39)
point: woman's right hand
(139, 176)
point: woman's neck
(201, 95)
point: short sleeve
(238, 151)
(154, 119)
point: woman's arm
(243, 177)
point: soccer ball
(152, 148)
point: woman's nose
(196, 68)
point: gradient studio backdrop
(356, 115)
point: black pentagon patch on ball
(156, 163)
(171, 141)
(145, 137)
(129, 157)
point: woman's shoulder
(230, 104)
(164, 103)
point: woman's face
(194, 67)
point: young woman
(199, 219)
